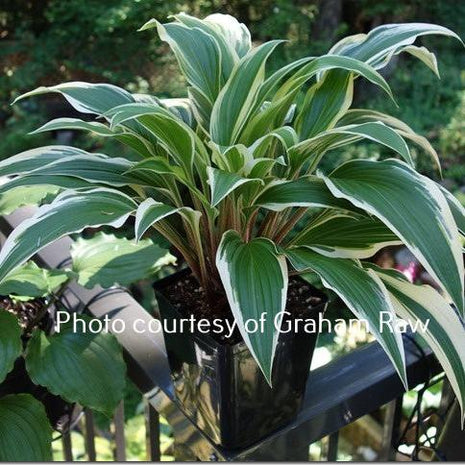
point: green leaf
(36, 158)
(79, 366)
(235, 33)
(173, 134)
(31, 281)
(379, 45)
(327, 62)
(107, 260)
(223, 183)
(359, 116)
(255, 279)
(25, 432)
(424, 55)
(457, 209)
(325, 102)
(416, 212)
(70, 212)
(198, 55)
(149, 212)
(238, 97)
(347, 237)
(313, 149)
(59, 124)
(92, 167)
(31, 194)
(445, 332)
(362, 291)
(309, 191)
(11, 345)
(85, 97)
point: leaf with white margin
(358, 116)
(70, 212)
(254, 276)
(457, 209)
(30, 160)
(86, 97)
(362, 291)
(414, 208)
(348, 237)
(239, 95)
(445, 332)
(308, 191)
(313, 149)
(11, 345)
(223, 183)
(149, 212)
(25, 432)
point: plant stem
(290, 223)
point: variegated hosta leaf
(286, 136)
(313, 149)
(327, 62)
(229, 56)
(25, 432)
(29, 160)
(457, 209)
(79, 366)
(235, 34)
(282, 101)
(445, 331)
(85, 97)
(132, 140)
(325, 103)
(198, 55)
(359, 116)
(107, 260)
(172, 133)
(379, 45)
(70, 212)
(11, 345)
(149, 212)
(424, 55)
(90, 167)
(239, 95)
(309, 191)
(255, 279)
(362, 291)
(347, 237)
(414, 208)
(223, 183)
(30, 281)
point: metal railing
(336, 394)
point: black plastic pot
(220, 386)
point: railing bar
(152, 432)
(90, 436)
(391, 430)
(120, 441)
(67, 446)
(333, 444)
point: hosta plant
(226, 174)
(77, 365)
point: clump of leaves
(226, 173)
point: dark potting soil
(190, 299)
(26, 312)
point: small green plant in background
(225, 174)
(78, 365)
